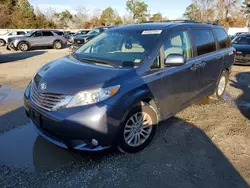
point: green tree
(64, 18)
(245, 7)
(118, 20)
(156, 17)
(192, 12)
(139, 10)
(108, 16)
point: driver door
(36, 39)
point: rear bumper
(75, 128)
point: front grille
(46, 101)
(79, 41)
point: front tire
(221, 87)
(2, 42)
(138, 129)
(23, 46)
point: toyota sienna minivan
(116, 88)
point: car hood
(83, 36)
(18, 38)
(242, 48)
(69, 76)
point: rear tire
(23, 46)
(57, 45)
(221, 87)
(138, 129)
(2, 42)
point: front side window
(224, 41)
(204, 41)
(241, 40)
(179, 43)
(36, 34)
(123, 48)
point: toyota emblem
(43, 86)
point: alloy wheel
(137, 129)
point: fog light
(94, 142)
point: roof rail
(191, 21)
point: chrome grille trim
(47, 101)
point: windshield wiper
(99, 61)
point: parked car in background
(79, 40)
(115, 89)
(237, 34)
(4, 38)
(38, 38)
(242, 45)
(80, 32)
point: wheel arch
(25, 42)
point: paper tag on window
(152, 32)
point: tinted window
(178, 43)
(224, 41)
(204, 41)
(20, 33)
(47, 33)
(59, 33)
(37, 34)
(241, 40)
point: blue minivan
(116, 88)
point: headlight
(92, 96)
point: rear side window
(204, 41)
(59, 33)
(224, 41)
(47, 33)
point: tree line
(21, 14)
(228, 13)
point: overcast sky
(173, 9)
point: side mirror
(175, 60)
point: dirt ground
(206, 145)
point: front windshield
(122, 48)
(94, 32)
(29, 33)
(241, 40)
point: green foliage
(156, 17)
(192, 12)
(64, 18)
(20, 14)
(139, 9)
(108, 17)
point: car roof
(244, 35)
(164, 25)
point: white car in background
(4, 38)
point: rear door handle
(194, 67)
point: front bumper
(75, 128)
(242, 60)
(11, 46)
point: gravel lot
(206, 145)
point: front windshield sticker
(152, 32)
